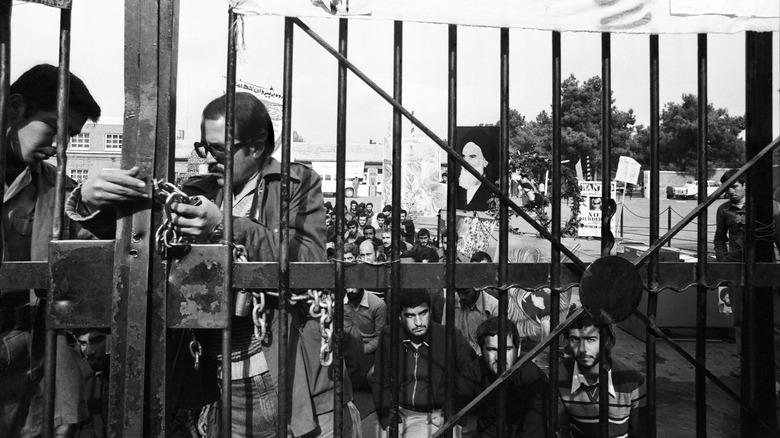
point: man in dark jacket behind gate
(28, 214)
(256, 225)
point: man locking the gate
(28, 213)
(256, 225)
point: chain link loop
(196, 350)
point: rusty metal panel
(24, 275)
(197, 296)
(81, 283)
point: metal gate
(143, 306)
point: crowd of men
(83, 357)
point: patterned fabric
(579, 413)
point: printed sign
(590, 209)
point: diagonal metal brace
(442, 144)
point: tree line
(581, 133)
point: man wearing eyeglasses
(256, 204)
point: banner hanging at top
(621, 16)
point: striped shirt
(579, 414)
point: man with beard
(526, 388)
(421, 368)
(256, 222)
(472, 194)
(578, 385)
(352, 234)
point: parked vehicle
(691, 190)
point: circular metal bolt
(612, 284)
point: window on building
(113, 141)
(79, 175)
(80, 141)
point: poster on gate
(476, 231)
(590, 209)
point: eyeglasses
(217, 151)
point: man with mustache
(256, 225)
(578, 385)
(526, 388)
(421, 368)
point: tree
(678, 137)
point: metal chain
(166, 237)
(196, 350)
(326, 328)
(259, 316)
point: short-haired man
(369, 313)
(28, 214)
(387, 243)
(379, 221)
(729, 242)
(526, 390)
(350, 252)
(472, 309)
(352, 233)
(421, 368)
(370, 212)
(94, 346)
(369, 233)
(578, 385)
(256, 222)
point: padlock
(243, 303)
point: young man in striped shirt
(578, 385)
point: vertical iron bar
(5, 84)
(669, 222)
(555, 253)
(63, 90)
(606, 236)
(395, 254)
(227, 218)
(63, 93)
(758, 380)
(701, 228)
(655, 222)
(284, 259)
(503, 242)
(132, 271)
(452, 240)
(341, 145)
(162, 348)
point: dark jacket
(381, 384)
(480, 201)
(312, 386)
(525, 406)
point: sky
(97, 57)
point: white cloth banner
(622, 16)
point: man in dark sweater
(525, 413)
